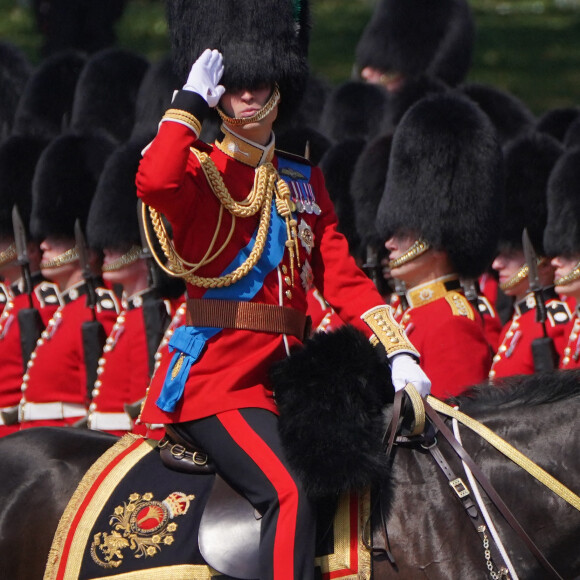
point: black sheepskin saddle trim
(331, 393)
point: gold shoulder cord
(266, 181)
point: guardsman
(406, 39)
(124, 367)
(14, 72)
(54, 386)
(562, 243)
(249, 256)
(529, 161)
(18, 158)
(437, 215)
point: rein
(430, 407)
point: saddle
(228, 518)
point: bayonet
(22, 252)
(543, 350)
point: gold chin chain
(266, 184)
(261, 114)
(418, 248)
(512, 282)
(62, 259)
(127, 258)
(570, 277)
(8, 255)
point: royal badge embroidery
(307, 276)
(306, 236)
(143, 525)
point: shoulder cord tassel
(284, 207)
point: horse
(429, 534)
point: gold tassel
(284, 207)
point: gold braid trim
(418, 248)
(127, 258)
(8, 255)
(266, 183)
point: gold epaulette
(460, 306)
(386, 331)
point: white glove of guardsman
(204, 76)
(405, 369)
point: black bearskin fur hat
(353, 109)
(572, 137)
(18, 158)
(331, 394)
(14, 73)
(562, 233)
(106, 93)
(112, 221)
(510, 116)
(154, 97)
(64, 183)
(337, 165)
(45, 107)
(419, 36)
(445, 181)
(262, 42)
(556, 122)
(529, 160)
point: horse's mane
(520, 391)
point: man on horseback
(252, 229)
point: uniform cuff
(189, 109)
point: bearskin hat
(310, 110)
(419, 36)
(112, 221)
(572, 137)
(64, 183)
(562, 233)
(353, 109)
(510, 116)
(45, 107)
(337, 165)
(14, 73)
(106, 93)
(154, 97)
(18, 157)
(529, 160)
(445, 181)
(556, 122)
(262, 42)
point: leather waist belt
(109, 421)
(40, 411)
(245, 316)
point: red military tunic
(45, 300)
(123, 372)
(54, 389)
(514, 355)
(570, 358)
(232, 371)
(322, 316)
(446, 330)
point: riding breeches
(245, 446)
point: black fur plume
(331, 394)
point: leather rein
(425, 432)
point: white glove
(405, 369)
(204, 76)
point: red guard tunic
(444, 327)
(232, 371)
(570, 358)
(123, 372)
(45, 300)
(514, 355)
(54, 389)
(323, 317)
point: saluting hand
(205, 75)
(405, 369)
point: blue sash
(189, 341)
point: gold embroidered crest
(142, 525)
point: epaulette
(558, 312)
(107, 301)
(48, 294)
(293, 157)
(460, 306)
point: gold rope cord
(266, 182)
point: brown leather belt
(245, 316)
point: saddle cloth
(131, 518)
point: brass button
(288, 294)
